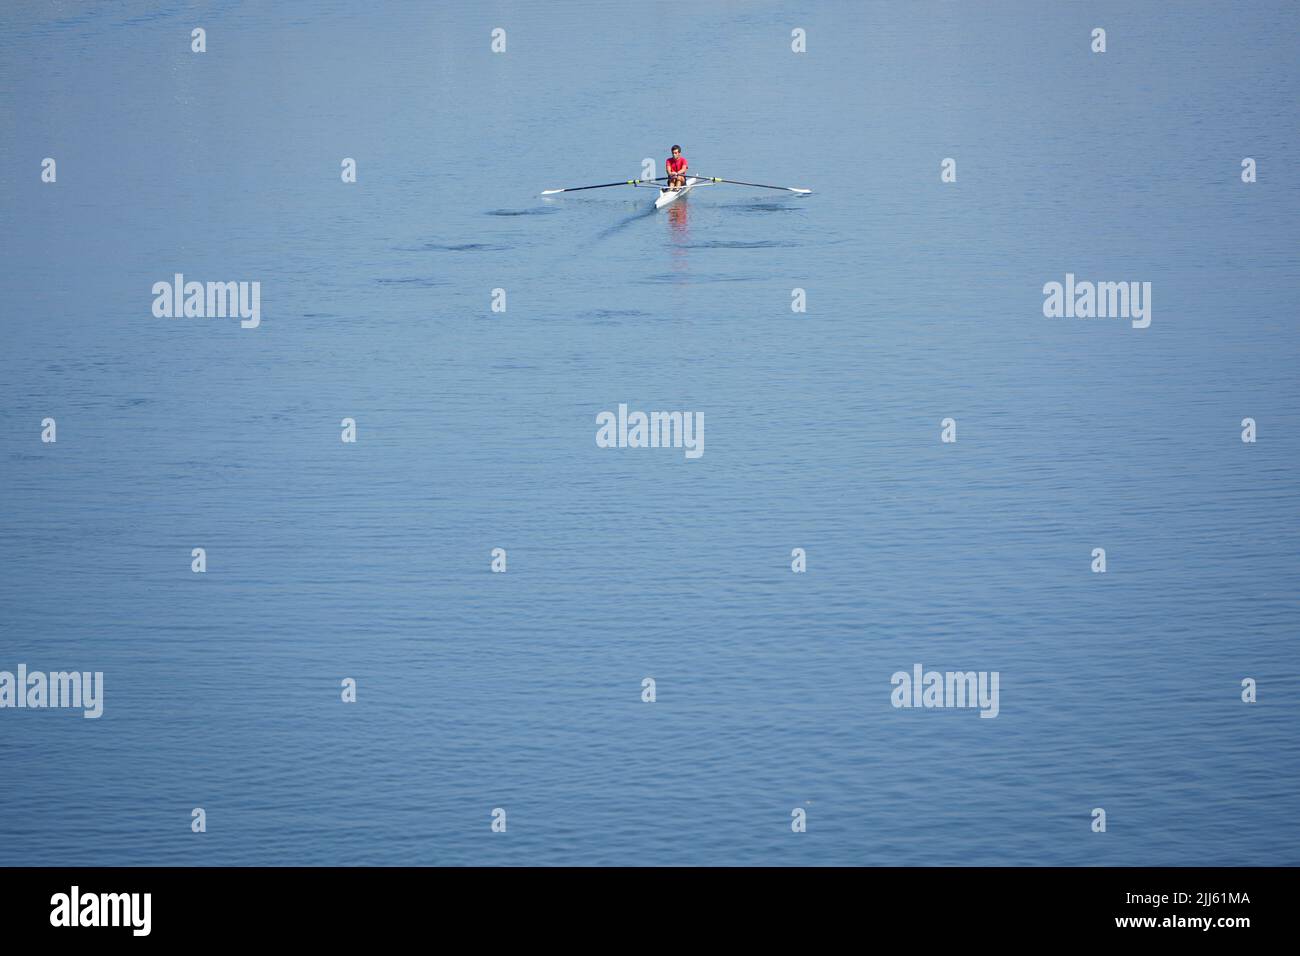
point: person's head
(677, 151)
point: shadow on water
(544, 211)
(725, 244)
(763, 206)
(618, 227)
(454, 247)
(673, 278)
(426, 281)
(612, 317)
(767, 204)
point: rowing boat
(668, 195)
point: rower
(676, 166)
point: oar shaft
(737, 182)
(621, 182)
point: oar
(622, 182)
(737, 182)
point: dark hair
(675, 147)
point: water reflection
(677, 217)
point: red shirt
(675, 164)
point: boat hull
(668, 196)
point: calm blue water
(476, 430)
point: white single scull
(666, 195)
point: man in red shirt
(676, 166)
